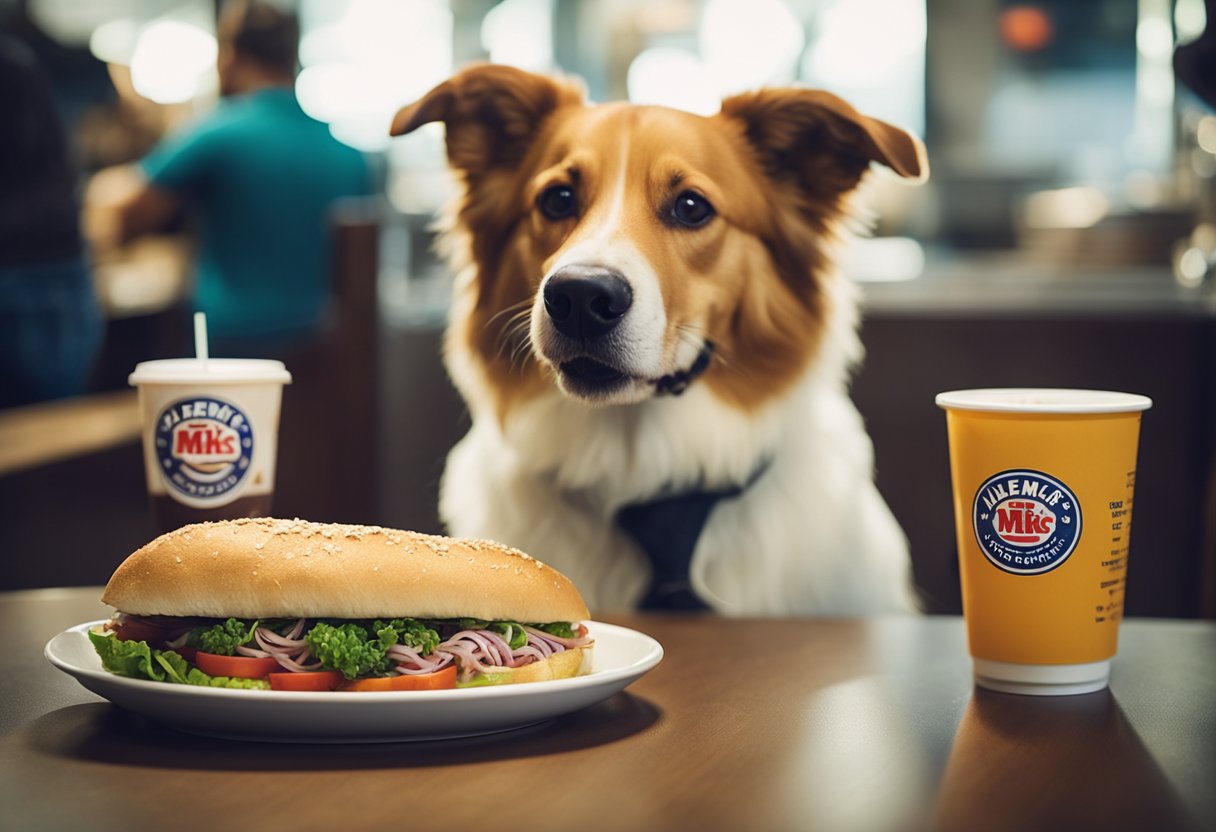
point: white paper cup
(210, 436)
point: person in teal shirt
(260, 176)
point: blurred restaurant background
(1066, 237)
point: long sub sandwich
(292, 605)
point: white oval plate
(621, 656)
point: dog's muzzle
(586, 302)
(584, 306)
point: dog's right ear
(492, 114)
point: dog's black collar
(667, 529)
(676, 383)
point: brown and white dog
(646, 313)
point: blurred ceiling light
(1192, 267)
(172, 61)
(113, 42)
(369, 58)
(1190, 19)
(1080, 207)
(388, 32)
(872, 53)
(520, 33)
(1195, 258)
(866, 42)
(327, 92)
(1205, 133)
(672, 77)
(1155, 37)
(750, 43)
(1026, 28)
(73, 22)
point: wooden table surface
(745, 725)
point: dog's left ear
(821, 140)
(492, 114)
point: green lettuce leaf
(201, 679)
(137, 660)
(483, 680)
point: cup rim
(218, 371)
(1042, 400)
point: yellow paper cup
(1043, 483)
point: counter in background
(1009, 322)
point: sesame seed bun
(268, 568)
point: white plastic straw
(200, 338)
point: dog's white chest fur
(811, 536)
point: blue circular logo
(204, 446)
(1026, 522)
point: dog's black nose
(586, 301)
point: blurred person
(50, 320)
(260, 177)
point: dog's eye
(692, 209)
(557, 202)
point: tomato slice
(306, 680)
(439, 680)
(243, 667)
